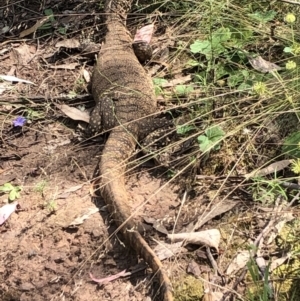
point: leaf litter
(6, 211)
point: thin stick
(291, 2)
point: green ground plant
(211, 139)
(51, 206)
(40, 186)
(244, 58)
(12, 191)
(261, 290)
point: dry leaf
(4, 29)
(238, 262)
(278, 262)
(109, 278)
(23, 54)
(194, 269)
(160, 228)
(261, 263)
(149, 220)
(67, 192)
(177, 81)
(68, 43)
(74, 113)
(32, 29)
(3, 51)
(73, 188)
(156, 225)
(210, 238)
(164, 250)
(86, 75)
(272, 168)
(70, 66)
(85, 215)
(144, 34)
(216, 210)
(160, 57)
(6, 211)
(262, 65)
(11, 78)
(213, 296)
(3, 87)
(286, 217)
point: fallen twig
(291, 2)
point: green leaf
(222, 34)
(192, 63)
(158, 90)
(245, 73)
(13, 191)
(62, 30)
(214, 133)
(171, 173)
(263, 17)
(221, 71)
(235, 79)
(204, 143)
(12, 195)
(45, 26)
(184, 129)
(49, 12)
(159, 81)
(244, 86)
(183, 89)
(7, 187)
(207, 47)
(72, 94)
(241, 34)
(217, 48)
(201, 47)
(288, 50)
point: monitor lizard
(124, 97)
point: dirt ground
(43, 256)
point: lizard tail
(118, 149)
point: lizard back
(124, 96)
(119, 78)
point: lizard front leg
(103, 116)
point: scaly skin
(124, 95)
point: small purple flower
(19, 121)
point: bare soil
(43, 256)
